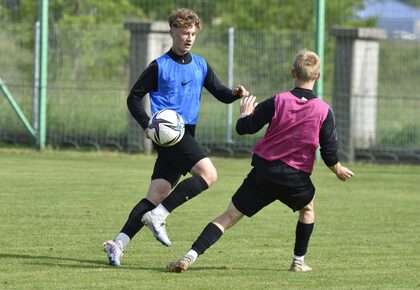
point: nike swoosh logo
(185, 83)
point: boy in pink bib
(282, 160)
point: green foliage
(75, 17)
(406, 137)
(394, 77)
(88, 60)
(82, 54)
(73, 11)
(415, 3)
(58, 207)
(24, 11)
(206, 9)
(16, 56)
(255, 15)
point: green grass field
(58, 207)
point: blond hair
(184, 18)
(306, 65)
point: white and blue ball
(166, 128)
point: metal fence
(88, 86)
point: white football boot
(156, 223)
(113, 251)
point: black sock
(134, 224)
(185, 190)
(208, 237)
(303, 234)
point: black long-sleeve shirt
(278, 170)
(148, 82)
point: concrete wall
(149, 40)
(356, 87)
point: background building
(399, 19)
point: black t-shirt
(278, 171)
(148, 82)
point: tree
(414, 3)
(256, 15)
(275, 15)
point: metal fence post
(319, 40)
(231, 45)
(35, 115)
(17, 109)
(320, 26)
(43, 74)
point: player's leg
(300, 199)
(184, 191)
(158, 190)
(246, 201)
(214, 230)
(186, 156)
(303, 233)
(204, 174)
(154, 222)
(208, 237)
(164, 177)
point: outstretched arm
(221, 92)
(247, 106)
(254, 116)
(240, 91)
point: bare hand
(240, 91)
(247, 106)
(342, 173)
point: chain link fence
(89, 77)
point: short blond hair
(306, 65)
(184, 18)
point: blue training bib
(179, 87)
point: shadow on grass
(95, 264)
(61, 262)
(228, 268)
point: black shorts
(256, 192)
(177, 160)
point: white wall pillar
(356, 87)
(149, 40)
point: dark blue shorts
(177, 160)
(256, 192)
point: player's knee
(230, 217)
(308, 218)
(213, 176)
(307, 215)
(210, 176)
(158, 190)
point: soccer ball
(166, 128)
